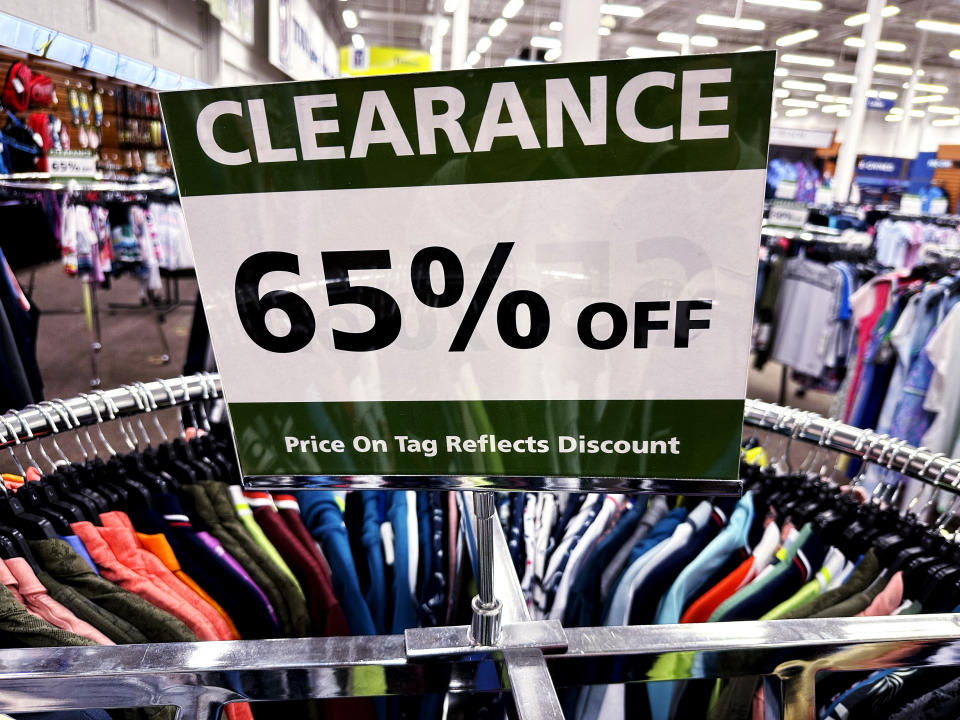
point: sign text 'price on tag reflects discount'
(537, 271)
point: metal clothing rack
(534, 657)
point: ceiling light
(807, 60)
(642, 52)
(781, 72)
(840, 78)
(673, 38)
(843, 100)
(751, 48)
(556, 26)
(725, 21)
(926, 99)
(808, 5)
(781, 93)
(830, 109)
(350, 19)
(450, 6)
(939, 26)
(893, 69)
(473, 58)
(893, 118)
(927, 87)
(884, 94)
(954, 54)
(797, 37)
(515, 62)
(946, 122)
(824, 98)
(796, 112)
(630, 11)
(794, 102)
(552, 54)
(913, 113)
(801, 85)
(497, 27)
(511, 8)
(539, 41)
(604, 31)
(704, 41)
(358, 41)
(944, 109)
(483, 44)
(887, 45)
(861, 18)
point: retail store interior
(836, 547)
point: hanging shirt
(656, 509)
(242, 506)
(943, 397)
(543, 595)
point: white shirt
(943, 396)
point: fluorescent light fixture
(603, 31)
(927, 87)
(483, 44)
(552, 54)
(862, 18)
(781, 72)
(802, 85)
(885, 94)
(497, 27)
(831, 109)
(673, 38)
(808, 5)
(945, 122)
(795, 102)
(358, 41)
(797, 37)
(642, 52)
(630, 11)
(725, 21)
(939, 26)
(556, 26)
(704, 41)
(512, 62)
(796, 112)
(954, 54)
(840, 78)
(473, 58)
(824, 98)
(780, 93)
(807, 60)
(450, 5)
(913, 113)
(887, 45)
(927, 99)
(350, 19)
(944, 109)
(539, 41)
(893, 118)
(511, 8)
(843, 100)
(885, 69)
(750, 48)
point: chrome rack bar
(918, 463)
(183, 390)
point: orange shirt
(703, 606)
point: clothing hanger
(94, 501)
(134, 463)
(39, 497)
(12, 541)
(12, 512)
(65, 483)
(93, 475)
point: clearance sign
(546, 270)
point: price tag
(72, 164)
(786, 190)
(544, 271)
(788, 215)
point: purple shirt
(211, 542)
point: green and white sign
(546, 270)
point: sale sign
(546, 270)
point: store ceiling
(408, 23)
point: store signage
(878, 166)
(940, 164)
(793, 137)
(876, 103)
(298, 43)
(544, 270)
(377, 60)
(787, 214)
(78, 164)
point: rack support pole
(485, 624)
